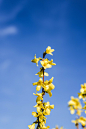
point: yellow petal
(51, 106)
(38, 87)
(35, 83)
(72, 111)
(46, 82)
(38, 109)
(47, 104)
(34, 114)
(53, 64)
(78, 112)
(32, 126)
(46, 74)
(48, 66)
(51, 86)
(51, 80)
(50, 94)
(48, 111)
(46, 88)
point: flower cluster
(74, 104)
(42, 108)
(76, 107)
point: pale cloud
(8, 31)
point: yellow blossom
(72, 111)
(49, 50)
(84, 107)
(39, 106)
(82, 93)
(39, 84)
(75, 122)
(42, 118)
(83, 88)
(75, 103)
(82, 120)
(42, 126)
(34, 114)
(80, 96)
(51, 62)
(35, 60)
(32, 126)
(78, 112)
(47, 108)
(39, 96)
(48, 86)
(41, 73)
(45, 64)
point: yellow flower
(49, 50)
(32, 126)
(80, 96)
(42, 126)
(41, 73)
(82, 93)
(78, 112)
(75, 122)
(39, 84)
(82, 120)
(35, 60)
(84, 107)
(47, 108)
(48, 86)
(34, 114)
(51, 106)
(75, 103)
(42, 118)
(72, 111)
(45, 64)
(39, 106)
(83, 88)
(51, 62)
(39, 96)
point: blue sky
(27, 27)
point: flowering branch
(43, 108)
